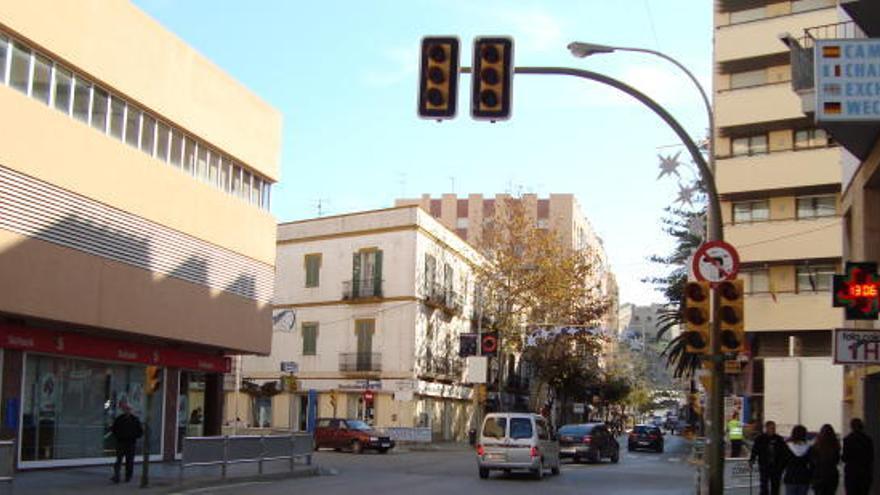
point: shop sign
(856, 346)
(847, 75)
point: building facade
(134, 229)
(779, 178)
(370, 307)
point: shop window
(262, 412)
(190, 406)
(816, 278)
(750, 145)
(816, 206)
(751, 211)
(69, 405)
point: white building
(372, 300)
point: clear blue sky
(344, 74)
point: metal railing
(443, 296)
(360, 361)
(226, 450)
(7, 461)
(361, 288)
(802, 53)
(836, 31)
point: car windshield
(358, 425)
(575, 430)
(495, 428)
(520, 428)
(646, 430)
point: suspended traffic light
(153, 379)
(492, 78)
(438, 79)
(696, 317)
(730, 313)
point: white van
(521, 441)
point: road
(452, 470)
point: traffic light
(733, 335)
(492, 78)
(438, 79)
(153, 379)
(696, 317)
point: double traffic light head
(697, 296)
(438, 80)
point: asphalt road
(452, 470)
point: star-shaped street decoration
(697, 226)
(669, 165)
(686, 194)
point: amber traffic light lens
(490, 76)
(435, 97)
(729, 315)
(436, 75)
(491, 54)
(695, 316)
(695, 292)
(437, 54)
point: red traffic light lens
(437, 53)
(695, 292)
(695, 316)
(729, 291)
(490, 54)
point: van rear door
(521, 439)
(494, 437)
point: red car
(350, 434)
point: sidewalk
(164, 478)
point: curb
(178, 488)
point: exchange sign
(847, 80)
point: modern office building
(369, 306)
(134, 228)
(779, 177)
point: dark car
(589, 441)
(350, 434)
(647, 437)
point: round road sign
(715, 261)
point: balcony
(765, 103)
(442, 368)
(756, 39)
(368, 288)
(791, 311)
(786, 239)
(778, 170)
(360, 362)
(443, 297)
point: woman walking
(798, 463)
(825, 455)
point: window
(163, 134)
(262, 412)
(748, 78)
(21, 68)
(148, 133)
(226, 175)
(750, 145)
(520, 428)
(176, 147)
(815, 278)
(202, 163)
(756, 281)
(313, 269)
(82, 90)
(748, 15)
(4, 46)
(245, 190)
(99, 110)
(63, 86)
(751, 211)
(816, 206)
(42, 79)
(310, 339)
(811, 138)
(236, 180)
(117, 117)
(805, 5)
(214, 172)
(367, 273)
(132, 125)
(495, 428)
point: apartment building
(135, 181)
(779, 178)
(370, 307)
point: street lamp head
(581, 50)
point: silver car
(521, 441)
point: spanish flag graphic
(833, 108)
(831, 51)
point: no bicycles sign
(715, 261)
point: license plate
(567, 451)
(386, 445)
(644, 443)
(496, 457)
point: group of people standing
(799, 464)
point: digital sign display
(857, 291)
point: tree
(533, 279)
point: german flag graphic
(831, 51)
(833, 108)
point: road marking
(674, 459)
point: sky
(344, 74)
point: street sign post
(715, 261)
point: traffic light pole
(715, 447)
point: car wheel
(357, 447)
(383, 450)
(555, 469)
(575, 460)
(484, 473)
(538, 473)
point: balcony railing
(802, 53)
(361, 288)
(440, 366)
(360, 361)
(444, 297)
(837, 31)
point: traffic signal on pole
(153, 379)
(438, 79)
(696, 317)
(492, 78)
(733, 334)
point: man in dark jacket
(769, 450)
(858, 456)
(126, 430)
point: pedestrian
(858, 458)
(769, 451)
(735, 435)
(126, 430)
(798, 464)
(826, 456)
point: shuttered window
(313, 269)
(310, 339)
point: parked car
(589, 441)
(517, 441)
(350, 434)
(645, 437)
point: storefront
(61, 392)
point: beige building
(370, 307)
(779, 178)
(134, 228)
